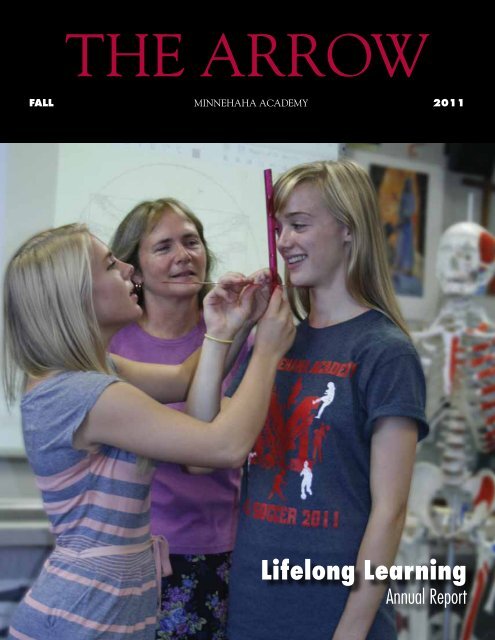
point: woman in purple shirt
(164, 241)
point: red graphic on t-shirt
(277, 486)
(281, 436)
(318, 436)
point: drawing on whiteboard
(235, 237)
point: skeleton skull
(465, 259)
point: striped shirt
(100, 581)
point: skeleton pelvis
(446, 510)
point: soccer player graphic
(307, 479)
(326, 399)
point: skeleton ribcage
(460, 372)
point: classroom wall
(31, 173)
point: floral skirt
(194, 598)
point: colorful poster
(402, 197)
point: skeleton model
(452, 495)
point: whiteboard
(99, 183)
(221, 183)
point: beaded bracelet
(221, 340)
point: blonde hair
(141, 220)
(49, 319)
(350, 197)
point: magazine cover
(316, 459)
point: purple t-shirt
(196, 513)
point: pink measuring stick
(271, 226)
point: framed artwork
(410, 202)
(402, 195)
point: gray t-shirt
(306, 492)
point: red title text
(255, 55)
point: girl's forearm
(379, 546)
(203, 399)
(243, 417)
(236, 346)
